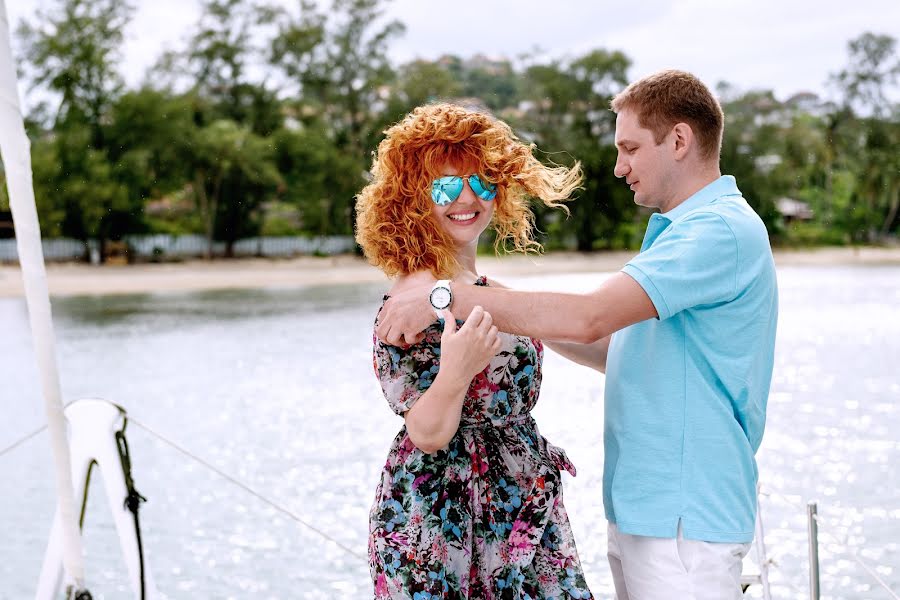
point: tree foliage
(266, 118)
(74, 51)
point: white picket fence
(165, 247)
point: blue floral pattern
(482, 518)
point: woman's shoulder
(410, 281)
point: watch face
(440, 298)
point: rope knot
(133, 500)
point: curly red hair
(394, 223)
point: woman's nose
(467, 193)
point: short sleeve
(406, 373)
(692, 263)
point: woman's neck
(466, 259)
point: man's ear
(684, 139)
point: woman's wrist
(451, 381)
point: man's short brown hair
(667, 98)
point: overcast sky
(783, 45)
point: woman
(470, 500)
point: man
(689, 367)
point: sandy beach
(67, 279)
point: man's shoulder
(746, 228)
(733, 213)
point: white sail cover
(15, 152)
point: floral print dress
(482, 518)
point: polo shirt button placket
(655, 227)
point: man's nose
(621, 169)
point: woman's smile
(464, 218)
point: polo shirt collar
(659, 222)
(723, 186)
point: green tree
(72, 50)
(6, 230)
(420, 82)
(4, 193)
(217, 63)
(150, 133)
(315, 179)
(233, 172)
(865, 134)
(494, 82)
(567, 114)
(76, 191)
(338, 65)
(802, 175)
(752, 148)
(873, 68)
(342, 82)
(226, 146)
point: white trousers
(650, 568)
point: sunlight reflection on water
(276, 388)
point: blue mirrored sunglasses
(445, 190)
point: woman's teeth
(462, 216)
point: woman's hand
(467, 351)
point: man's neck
(691, 185)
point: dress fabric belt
(508, 422)
(553, 455)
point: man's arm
(584, 318)
(592, 356)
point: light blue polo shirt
(686, 393)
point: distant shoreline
(68, 279)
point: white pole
(813, 526)
(15, 152)
(93, 425)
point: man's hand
(405, 316)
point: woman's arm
(434, 419)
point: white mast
(15, 152)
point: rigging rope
(843, 544)
(250, 490)
(219, 472)
(133, 499)
(23, 440)
(854, 554)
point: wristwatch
(440, 296)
